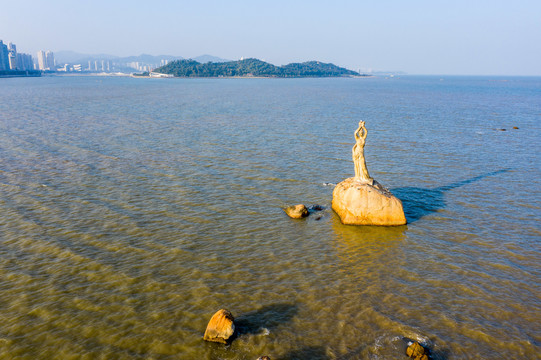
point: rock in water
(316, 207)
(360, 203)
(297, 211)
(416, 351)
(221, 327)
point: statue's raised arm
(360, 133)
(361, 172)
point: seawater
(131, 210)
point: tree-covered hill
(252, 67)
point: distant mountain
(253, 67)
(148, 59)
(209, 58)
(72, 57)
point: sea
(131, 210)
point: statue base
(359, 202)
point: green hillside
(253, 67)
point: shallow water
(133, 209)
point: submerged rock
(315, 208)
(416, 351)
(297, 211)
(221, 327)
(366, 203)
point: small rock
(221, 327)
(296, 211)
(416, 351)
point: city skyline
(10, 59)
(418, 37)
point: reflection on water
(132, 210)
(377, 238)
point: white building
(46, 60)
(42, 61)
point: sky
(444, 37)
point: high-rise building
(50, 60)
(12, 49)
(25, 62)
(46, 60)
(42, 60)
(4, 56)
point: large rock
(361, 203)
(221, 327)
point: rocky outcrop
(366, 203)
(297, 211)
(416, 351)
(221, 327)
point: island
(253, 68)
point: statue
(361, 172)
(361, 200)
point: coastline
(253, 77)
(20, 73)
(132, 75)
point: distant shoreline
(19, 73)
(199, 77)
(254, 77)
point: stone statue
(361, 172)
(361, 200)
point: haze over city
(417, 37)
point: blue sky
(474, 37)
